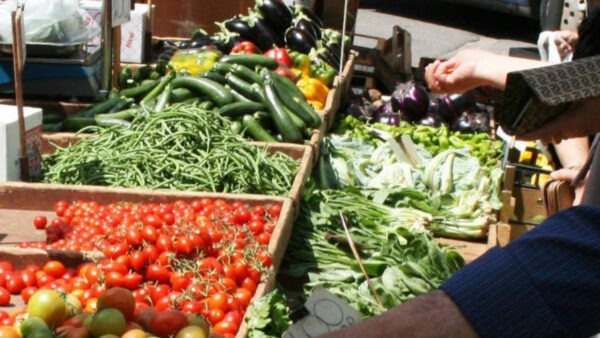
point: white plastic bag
(548, 47)
(46, 21)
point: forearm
(430, 315)
(494, 70)
(572, 152)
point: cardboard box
(134, 33)
(10, 142)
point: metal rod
(107, 46)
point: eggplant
(308, 26)
(431, 120)
(224, 41)
(240, 26)
(299, 10)
(411, 99)
(265, 36)
(298, 40)
(385, 114)
(276, 13)
(199, 35)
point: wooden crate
(19, 202)
(339, 91)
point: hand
(580, 119)
(566, 43)
(458, 74)
(568, 175)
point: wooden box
(20, 202)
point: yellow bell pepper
(313, 89)
(194, 61)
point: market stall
(220, 183)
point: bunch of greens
(452, 185)
(400, 257)
(269, 317)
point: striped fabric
(544, 284)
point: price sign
(121, 12)
(327, 313)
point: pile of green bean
(182, 148)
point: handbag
(557, 195)
(535, 96)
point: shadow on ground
(480, 21)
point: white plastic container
(10, 142)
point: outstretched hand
(464, 71)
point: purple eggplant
(385, 114)
(411, 99)
(240, 26)
(299, 10)
(308, 26)
(266, 37)
(298, 40)
(276, 13)
(431, 120)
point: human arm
(471, 68)
(572, 154)
(414, 319)
(544, 284)
(579, 120)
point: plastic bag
(46, 21)
(548, 47)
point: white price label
(121, 12)
(327, 313)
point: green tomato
(192, 331)
(49, 306)
(40, 333)
(32, 324)
(108, 321)
(74, 306)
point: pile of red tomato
(203, 257)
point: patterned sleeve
(544, 284)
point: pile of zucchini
(263, 105)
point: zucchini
(128, 114)
(246, 74)
(99, 108)
(112, 122)
(236, 127)
(52, 126)
(255, 130)
(221, 68)
(76, 123)
(250, 60)
(158, 89)
(237, 109)
(163, 99)
(293, 98)
(239, 97)
(214, 90)
(298, 122)
(123, 104)
(142, 73)
(206, 105)
(139, 91)
(51, 118)
(283, 122)
(243, 88)
(180, 94)
(215, 76)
